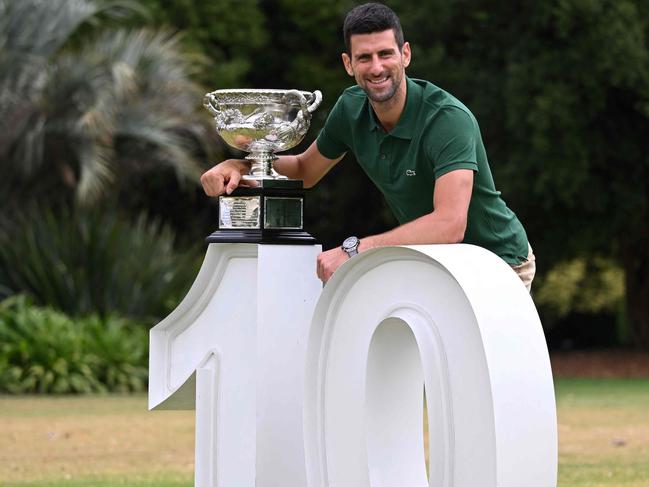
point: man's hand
(329, 261)
(224, 177)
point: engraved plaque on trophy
(262, 122)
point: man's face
(377, 64)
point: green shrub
(93, 261)
(121, 350)
(573, 293)
(44, 351)
(583, 285)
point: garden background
(103, 138)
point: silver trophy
(262, 123)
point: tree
(561, 90)
(579, 117)
(227, 32)
(80, 108)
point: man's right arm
(310, 167)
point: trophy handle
(307, 107)
(209, 102)
(304, 105)
(316, 99)
(222, 117)
(298, 127)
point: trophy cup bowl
(262, 122)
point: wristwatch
(350, 245)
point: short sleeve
(451, 141)
(332, 142)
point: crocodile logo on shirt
(410, 172)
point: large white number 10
(296, 386)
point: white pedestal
(457, 319)
(234, 349)
(292, 397)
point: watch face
(350, 242)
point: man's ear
(347, 62)
(405, 52)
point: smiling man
(420, 146)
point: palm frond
(39, 28)
(96, 172)
(122, 100)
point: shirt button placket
(383, 157)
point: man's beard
(385, 96)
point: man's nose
(377, 67)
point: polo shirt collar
(374, 123)
(404, 127)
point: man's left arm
(445, 224)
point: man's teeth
(379, 81)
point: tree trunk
(635, 258)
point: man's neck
(389, 112)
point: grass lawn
(603, 432)
(114, 441)
(94, 442)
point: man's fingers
(319, 268)
(328, 262)
(223, 178)
(327, 275)
(212, 183)
(233, 183)
(218, 184)
(324, 270)
(248, 183)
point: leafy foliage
(45, 351)
(227, 32)
(588, 286)
(121, 347)
(93, 261)
(78, 107)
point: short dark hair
(369, 18)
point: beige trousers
(527, 269)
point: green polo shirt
(436, 134)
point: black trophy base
(277, 237)
(261, 233)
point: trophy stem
(262, 166)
